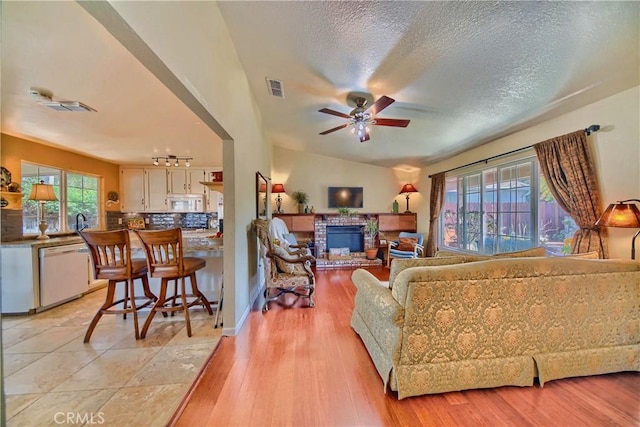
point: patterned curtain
(571, 175)
(436, 203)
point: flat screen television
(345, 197)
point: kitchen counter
(38, 244)
(21, 267)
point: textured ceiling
(464, 73)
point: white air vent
(45, 99)
(275, 87)
(67, 106)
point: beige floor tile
(202, 330)
(47, 372)
(104, 336)
(143, 406)
(173, 365)
(112, 369)
(12, 363)
(158, 335)
(66, 408)
(9, 321)
(48, 367)
(17, 402)
(50, 340)
(16, 335)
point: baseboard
(232, 332)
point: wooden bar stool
(111, 255)
(165, 260)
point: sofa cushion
(585, 255)
(399, 264)
(532, 252)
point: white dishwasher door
(63, 273)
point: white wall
(313, 174)
(192, 40)
(616, 149)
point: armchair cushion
(407, 243)
(296, 267)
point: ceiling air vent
(275, 87)
(45, 99)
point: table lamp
(624, 215)
(278, 189)
(408, 188)
(42, 193)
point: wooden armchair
(285, 272)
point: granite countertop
(38, 244)
(193, 241)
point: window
(503, 209)
(76, 193)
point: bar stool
(111, 255)
(165, 260)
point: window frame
(62, 202)
(496, 241)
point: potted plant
(370, 229)
(301, 198)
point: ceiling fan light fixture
(166, 162)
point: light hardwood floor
(307, 367)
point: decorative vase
(300, 208)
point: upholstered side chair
(285, 272)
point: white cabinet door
(196, 176)
(178, 182)
(156, 190)
(132, 190)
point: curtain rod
(592, 128)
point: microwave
(185, 202)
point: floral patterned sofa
(446, 324)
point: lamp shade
(277, 188)
(42, 192)
(263, 188)
(620, 214)
(408, 188)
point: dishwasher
(63, 273)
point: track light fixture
(175, 160)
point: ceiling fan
(360, 117)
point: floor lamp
(624, 215)
(42, 193)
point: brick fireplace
(346, 225)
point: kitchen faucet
(84, 219)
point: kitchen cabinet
(186, 181)
(132, 190)
(143, 189)
(156, 190)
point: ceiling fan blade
(382, 103)
(400, 123)
(365, 137)
(335, 113)
(334, 129)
